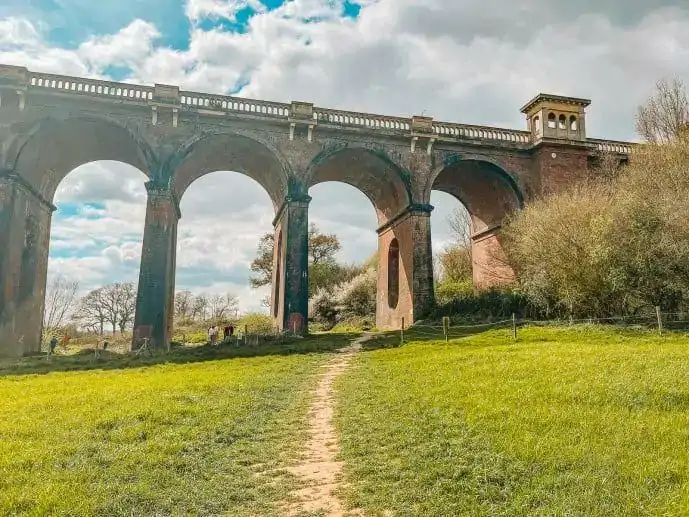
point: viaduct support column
(489, 262)
(25, 219)
(405, 268)
(155, 295)
(290, 297)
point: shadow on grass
(86, 360)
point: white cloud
(124, 48)
(199, 9)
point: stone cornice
(411, 209)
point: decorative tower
(556, 117)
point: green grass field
(199, 432)
(564, 422)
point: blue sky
(470, 61)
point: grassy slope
(176, 439)
(566, 422)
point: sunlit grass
(582, 421)
(191, 435)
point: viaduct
(51, 124)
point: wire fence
(658, 322)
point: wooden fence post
(446, 325)
(660, 320)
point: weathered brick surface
(24, 239)
(412, 233)
(155, 295)
(490, 266)
(50, 132)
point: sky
(468, 61)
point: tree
(455, 263)
(610, 246)
(199, 307)
(222, 305)
(59, 300)
(184, 302)
(263, 263)
(322, 249)
(114, 304)
(460, 224)
(665, 116)
(126, 301)
(91, 312)
(328, 273)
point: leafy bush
(487, 305)
(257, 323)
(352, 300)
(609, 247)
(447, 291)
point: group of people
(228, 332)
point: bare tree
(184, 304)
(91, 312)
(222, 305)
(200, 307)
(109, 299)
(460, 224)
(114, 304)
(59, 300)
(126, 302)
(665, 116)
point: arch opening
(232, 152)
(488, 194)
(224, 217)
(55, 148)
(552, 121)
(341, 210)
(373, 174)
(95, 237)
(562, 122)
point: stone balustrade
(234, 104)
(362, 120)
(90, 87)
(189, 101)
(611, 146)
(464, 131)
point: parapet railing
(365, 120)
(91, 87)
(194, 100)
(612, 146)
(238, 104)
(481, 132)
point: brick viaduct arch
(39, 159)
(489, 193)
(51, 124)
